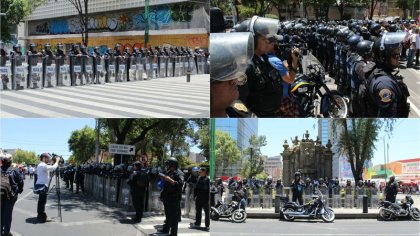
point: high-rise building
(240, 130)
(273, 166)
(323, 129)
(169, 23)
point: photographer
(42, 184)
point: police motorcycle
(403, 209)
(235, 210)
(314, 209)
(309, 87)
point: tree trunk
(86, 23)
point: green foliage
(226, 152)
(82, 144)
(357, 140)
(27, 157)
(202, 136)
(223, 5)
(255, 164)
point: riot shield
(155, 67)
(143, 70)
(121, 70)
(88, 69)
(178, 67)
(184, 65)
(201, 64)
(162, 66)
(76, 70)
(170, 65)
(98, 72)
(5, 73)
(34, 71)
(18, 72)
(133, 67)
(49, 71)
(111, 70)
(62, 72)
(149, 67)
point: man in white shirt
(412, 49)
(43, 172)
(418, 47)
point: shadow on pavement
(32, 220)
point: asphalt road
(82, 216)
(161, 98)
(268, 227)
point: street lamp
(1, 14)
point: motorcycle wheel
(214, 215)
(385, 215)
(415, 214)
(337, 112)
(288, 218)
(328, 215)
(238, 216)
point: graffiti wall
(189, 40)
(175, 16)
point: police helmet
(387, 46)
(109, 50)
(230, 55)
(297, 174)
(172, 162)
(32, 47)
(60, 46)
(47, 47)
(83, 48)
(364, 48)
(117, 47)
(353, 41)
(374, 27)
(17, 48)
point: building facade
(171, 23)
(273, 166)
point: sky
(43, 135)
(404, 143)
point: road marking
(413, 107)
(15, 233)
(88, 222)
(24, 196)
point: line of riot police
(79, 67)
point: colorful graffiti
(160, 17)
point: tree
(357, 140)
(373, 4)
(341, 5)
(27, 157)
(82, 144)
(202, 136)
(407, 4)
(16, 11)
(82, 10)
(226, 152)
(255, 164)
(278, 4)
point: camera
(54, 159)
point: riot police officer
(32, 56)
(76, 55)
(228, 70)
(86, 65)
(97, 67)
(79, 178)
(297, 188)
(109, 63)
(171, 196)
(60, 61)
(127, 61)
(3, 59)
(391, 190)
(386, 92)
(47, 60)
(138, 182)
(375, 32)
(17, 69)
(202, 198)
(118, 61)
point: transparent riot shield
(99, 71)
(178, 68)
(62, 72)
(121, 70)
(18, 72)
(111, 72)
(88, 69)
(170, 66)
(133, 67)
(184, 65)
(49, 70)
(201, 64)
(76, 70)
(5, 74)
(155, 67)
(143, 65)
(34, 72)
(149, 66)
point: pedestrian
(413, 47)
(418, 46)
(42, 184)
(171, 196)
(31, 172)
(391, 190)
(11, 186)
(297, 189)
(202, 198)
(138, 182)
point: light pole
(212, 146)
(1, 14)
(146, 29)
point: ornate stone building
(307, 156)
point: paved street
(84, 216)
(163, 98)
(270, 227)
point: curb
(337, 216)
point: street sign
(122, 149)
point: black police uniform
(388, 95)
(391, 191)
(138, 182)
(171, 197)
(80, 179)
(297, 190)
(3, 58)
(202, 196)
(262, 92)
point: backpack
(6, 187)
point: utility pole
(146, 29)
(97, 140)
(212, 146)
